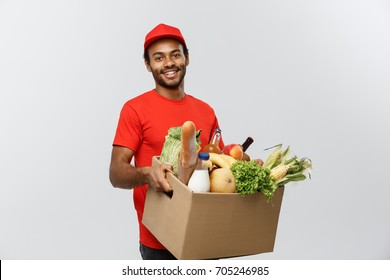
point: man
(145, 120)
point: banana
(229, 159)
(209, 164)
(222, 160)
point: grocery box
(211, 225)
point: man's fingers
(160, 179)
(164, 184)
(166, 187)
(167, 167)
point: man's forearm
(128, 176)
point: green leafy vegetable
(251, 178)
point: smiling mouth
(171, 73)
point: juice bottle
(213, 146)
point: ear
(147, 66)
(187, 59)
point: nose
(169, 62)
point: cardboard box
(211, 225)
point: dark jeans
(148, 253)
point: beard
(169, 83)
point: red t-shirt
(143, 124)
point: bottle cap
(204, 156)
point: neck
(171, 93)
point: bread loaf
(188, 151)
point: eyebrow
(162, 53)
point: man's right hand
(157, 179)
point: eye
(158, 58)
(176, 55)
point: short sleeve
(129, 130)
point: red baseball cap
(163, 31)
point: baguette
(188, 151)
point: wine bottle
(247, 143)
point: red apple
(233, 150)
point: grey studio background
(310, 74)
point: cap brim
(153, 39)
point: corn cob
(279, 171)
(298, 170)
(284, 169)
